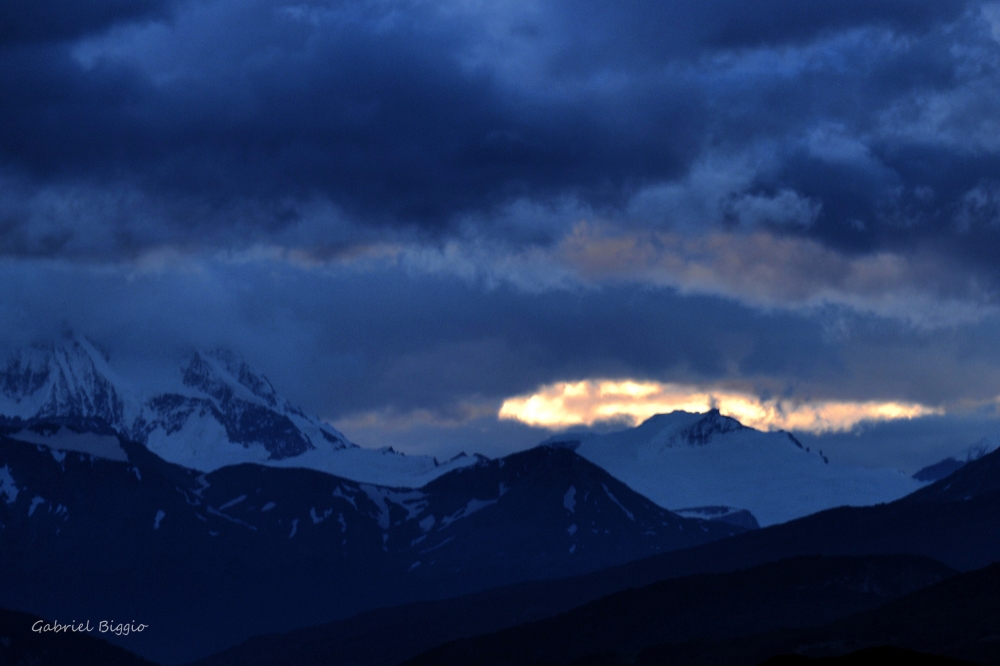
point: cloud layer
(411, 211)
(863, 125)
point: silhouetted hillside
(800, 592)
(20, 646)
(958, 617)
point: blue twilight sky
(409, 211)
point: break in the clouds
(410, 212)
(384, 350)
(564, 405)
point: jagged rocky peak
(701, 431)
(224, 389)
(220, 373)
(686, 459)
(27, 371)
(676, 429)
(66, 379)
(205, 411)
(218, 394)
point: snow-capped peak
(215, 411)
(685, 459)
(676, 429)
(69, 379)
(704, 429)
(222, 375)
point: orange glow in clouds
(582, 403)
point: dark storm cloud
(348, 341)
(386, 125)
(418, 209)
(640, 32)
(56, 20)
(782, 21)
(416, 114)
(352, 341)
(425, 361)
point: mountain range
(208, 559)
(806, 591)
(686, 461)
(787, 594)
(213, 509)
(955, 620)
(214, 410)
(774, 579)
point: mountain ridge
(794, 592)
(216, 411)
(812, 589)
(247, 548)
(685, 459)
(961, 533)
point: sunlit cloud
(766, 270)
(757, 268)
(566, 404)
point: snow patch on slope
(376, 466)
(472, 507)
(569, 499)
(620, 505)
(64, 439)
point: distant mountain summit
(712, 466)
(705, 428)
(66, 380)
(216, 411)
(946, 467)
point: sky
(461, 224)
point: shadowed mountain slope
(208, 560)
(876, 656)
(798, 592)
(936, 523)
(958, 617)
(20, 646)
